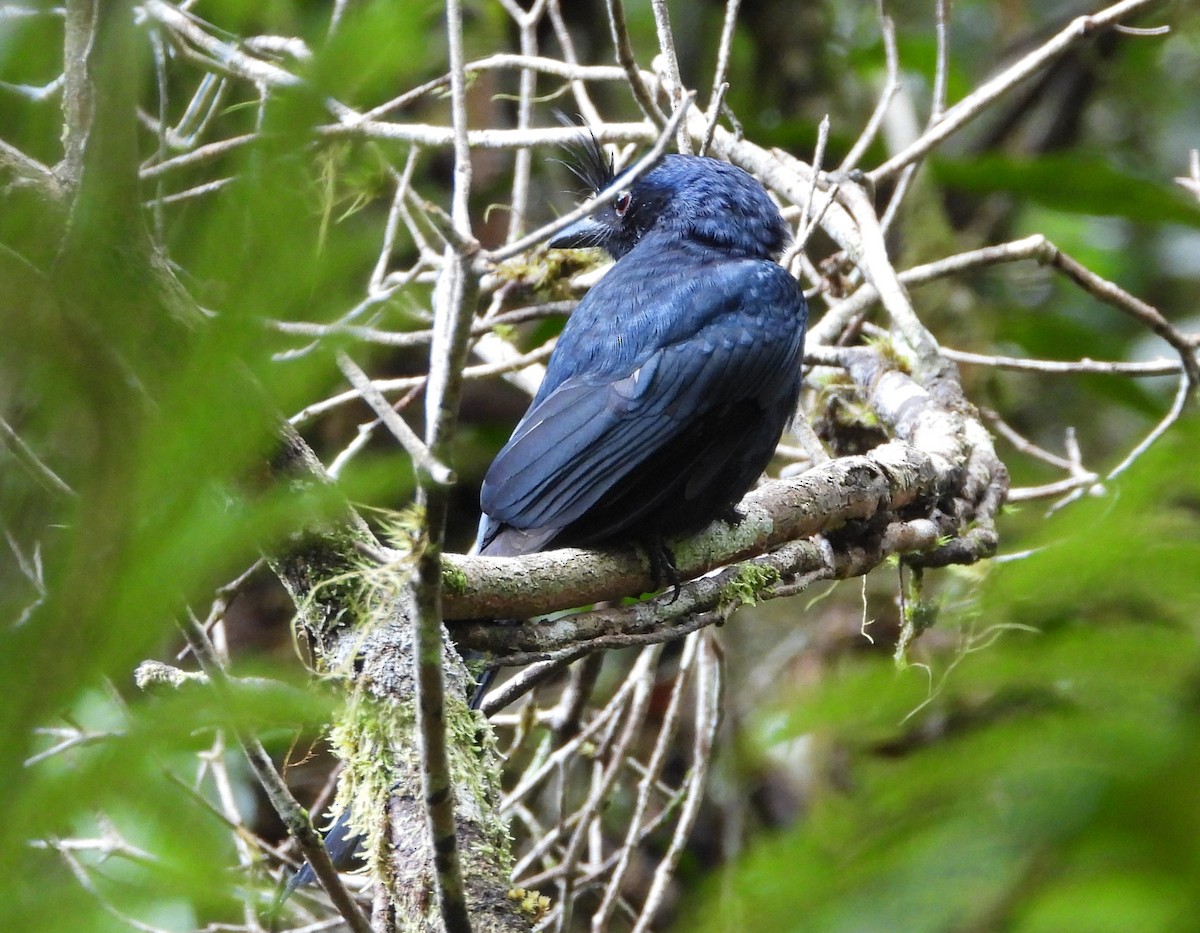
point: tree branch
(940, 457)
(978, 100)
(364, 622)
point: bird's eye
(621, 204)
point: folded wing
(665, 439)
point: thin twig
(29, 171)
(1182, 394)
(527, 24)
(454, 307)
(586, 108)
(724, 51)
(281, 798)
(395, 215)
(891, 84)
(406, 383)
(643, 677)
(628, 61)
(25, 456)
(670, 67)
(658, 757)
(442, 137)
(1191, 181)
(981, 98)
(709, 689)
(1066, 367)
(941, 72)
(422, 458)
(605, 197)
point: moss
(547, 272)
(531, 903)
(454, 581)
(743, 589)
(891, 352)
(919, 614)
(377, 740)
(403, 529)
(368, 738)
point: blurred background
(1028, 764)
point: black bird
(670, 385)
(674, 378)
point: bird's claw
(662, 566)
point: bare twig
(644, 680)
(221, 55)
(724, 49)
(527, 24)
(196, 156)
(605, 197)
(891, 84)
(32, 463)
(941, 74)
(978, 100)
(666, 733)
(454, 307)
(637, 84)
(442, 137)
(281, 798)
(1191, 182)
(670, 67)
(27, 170)
(406, 383)
(1185, 390)
(425, 461)
(1066, 367)
(710, 685)
(586, 108)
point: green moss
(531, 903)
(378, 742)
(887, 348)
(402, 530)
(743, 589)
(547, 272)
(918, 615)
(454, 581)
(369, 738)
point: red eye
(621, 205)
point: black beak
(580, 235)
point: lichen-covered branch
(362, 628)
(941, 467)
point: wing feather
(733, 337)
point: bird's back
(663, 402)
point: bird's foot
(662, 565)
(732, 516)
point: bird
(673, 379)
(669, 387)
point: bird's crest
(586, 159)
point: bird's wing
(734, 334)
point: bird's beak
(580, 235)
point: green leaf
(1072, 183)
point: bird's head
(688, 197)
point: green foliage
(376, 49)
(1035, 782)
(1045, 782)
(164, 441)
(1095, 186)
